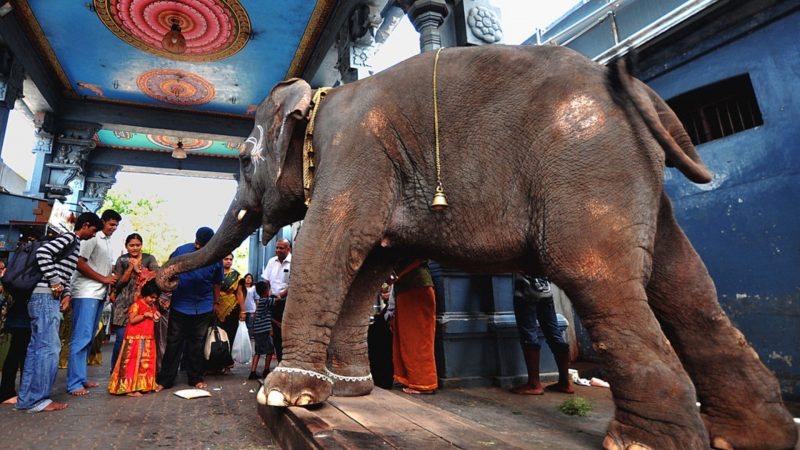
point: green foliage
(576, 406)
(147, 217)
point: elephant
(550, 164)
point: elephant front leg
(740, 398)
(348, 353)
(330, 251)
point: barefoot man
(533, 299)
(57, 260)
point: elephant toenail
(721, 444)
(261, 398)
(275, 398)
(609, 443)
(305, 399)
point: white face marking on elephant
(255, 153)
(580, 117)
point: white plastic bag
(242, 351)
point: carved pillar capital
(71, 148)
(355, 43)
(99, 179)
(427, 16)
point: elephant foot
(653, 435)
(350, 385)
(769, 426)
(289, 386)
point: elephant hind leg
(654, 398)
(348, 353)
(740, 398)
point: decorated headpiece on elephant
(551, 164)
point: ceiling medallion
(176, 87)
(170, 142)
(212, 29)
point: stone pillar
(427, 16)
(99, 179)
(355, 43)
(67, 167)
(11, 78)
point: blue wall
(745, 223)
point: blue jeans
(527, 311)
(41, 362)
(119, 335)
(86, 314)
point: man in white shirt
(89, 288)
(277, 274)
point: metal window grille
(719, 109)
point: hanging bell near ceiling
(173, 41)
(439, 200)
(178, 152)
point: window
(718, 110)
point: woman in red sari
(135, 371)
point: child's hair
(150, 288)
(261, 288)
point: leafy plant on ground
(576, 406)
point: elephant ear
(291, 100)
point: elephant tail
(660, 119)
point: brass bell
(439, 200)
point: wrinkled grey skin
(551, 164)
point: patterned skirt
(136, 366)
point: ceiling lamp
(178, 152)
(173, 41)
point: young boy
(262, 328)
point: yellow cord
(308, 146)
(439, 187)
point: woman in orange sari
(135, 371)
(414, 329)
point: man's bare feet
(10, 401)
(413, 391)
(558, 387)
(527, 389)
(79, 392)
(90, 384)
(201, 385)
(54, 407)
(158, 388)
(134, 394)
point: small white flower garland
(338, 377)
(309, 373)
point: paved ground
(227, 419)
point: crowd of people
(158, 334)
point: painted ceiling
(164, 143)
(236, 50)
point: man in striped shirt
(51, 296)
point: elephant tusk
(241, 214)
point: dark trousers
(20, 338)
(189, 330)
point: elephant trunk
(237, 224)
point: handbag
(217, 349)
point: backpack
(23, 273)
